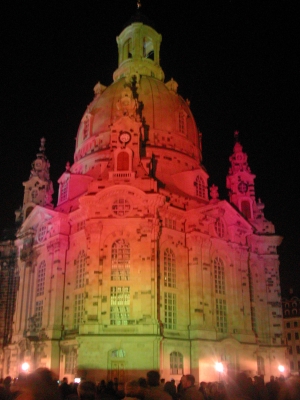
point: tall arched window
(80, 269)
(35, 321)
(220, 228)
(119, 305)
(260, 365)
(200, 187)
(63, 191)
(78, 309)
(80, 264)
(170, 306)
(148, 50)
(176, 363)
(70, 361)
(219, 276)
(123, 161)
(40, 284)
(128, 49)
(245, 208)
(120, 260)
(221, 306)
(169, 268)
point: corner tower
(241, 189)
(240, 180)
(38, 190)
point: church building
(141, 265)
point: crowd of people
(43, 385)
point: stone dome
(138, 91)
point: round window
(121, 207)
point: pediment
(35, 218)
(220, 221)
(120, 201)
(231, 216)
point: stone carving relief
(126, 105)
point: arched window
(221, 306)
(119, 305)
(176, 363)
(169, 268)
(245, 208)
(260, 366)
(70, 361)
(128, 49)
(123, 161)
(219, 276)
(120, 260)
(221, 315)
(78, 309)
(28, 211)
(170, 310)
(200, 187)
(40, 284)
(36, 321)
(220, 228)
(80, 269)
(42, 233)
(64, 188)
(148, 50)
(287, 312)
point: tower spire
(39, 187)
(240, 180)
(236, 136)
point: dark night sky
(235, 60)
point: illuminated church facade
(140, 265)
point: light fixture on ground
(219, 368)
(281, 368)
(25, 367)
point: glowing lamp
(219, 367)
(25, 367)
(281, 368)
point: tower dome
(162, 118)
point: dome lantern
(138, 47)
